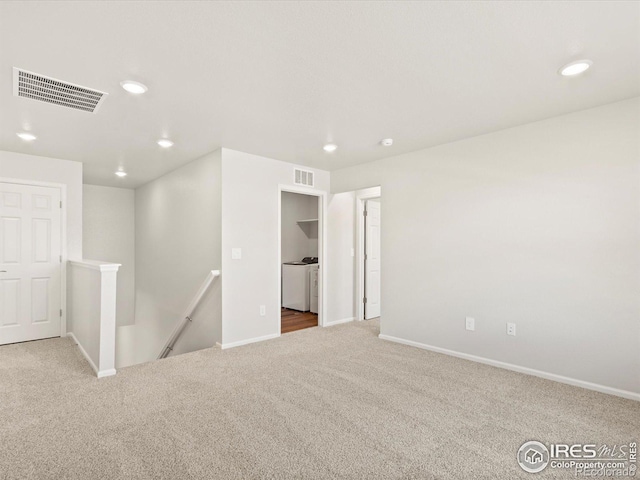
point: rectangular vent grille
(303, 177)
(46, 89)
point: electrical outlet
(471, 323)
(236, 253)
(511, 329)
(263, 310)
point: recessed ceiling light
(575, 68)
(133, 87)
(387, 142)
(120, 173)
(165, 143)
(26, 136)
(330, 147)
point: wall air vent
(303, 177)
(46, 89)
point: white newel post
(92, 312)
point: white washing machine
(295, 283)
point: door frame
(322, 247)
(361, 198)
(63, 240)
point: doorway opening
(368, 261)
(301, 230)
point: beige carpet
(332, 403)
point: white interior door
(30, 262)
(372, 260)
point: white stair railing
(168, 347)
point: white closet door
(30, 267)
(372, 260)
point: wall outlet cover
(236, 253)
(263, 310)
(470, 323)
(511, 329)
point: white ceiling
(280, 79)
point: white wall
(341, 263)
(84, 305)
(109, 234)
(178, 242)
(250, 221)
(299, 240)
(537, 225)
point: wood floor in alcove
(292, 320)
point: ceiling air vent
(302, 177)
(46, 89)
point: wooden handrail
(168, 347)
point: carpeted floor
(321, 403)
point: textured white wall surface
(250, 199)
(299, 240)
(85, 287)
(108, 233)
(177, 243)
(538, 225)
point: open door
(372, 259)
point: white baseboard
(99, 374)
(338, 322)
(83, 351)
(516, 368)
(224, 346)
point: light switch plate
(236, 253)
